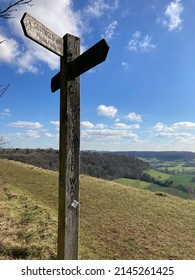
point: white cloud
(108, 134)
(110, 30)
(139, 43)
(176, 132)
(28, 134)
(11, 54)
(134, 117)
(9, 49)
(174, 127)
(96, 133)
(27, 62)
(184, 125)
(173, 134)
(5, 113)
(55, 123)
(25, 124)
(125, 126)
(107, 111)
(87, 124)
(162, 127)
(125, 65)
(134, 42)
(58, 16)
(172, 15)
(98, 7)
(101, 125)
(145, 44)
(50, 135)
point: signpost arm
(69, 155)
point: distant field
(158, 175)
(178, 166)
(116, 222)
(177, 179)
(183, 179)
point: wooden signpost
(39, 33)
(72, 65)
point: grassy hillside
(117, 222)
(133, 183)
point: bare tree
(6, 13)
(3, 88)
(4, 144)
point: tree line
(102, 165)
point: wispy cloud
(108, 134)
(174, 127)
(33, 134)
(140, 43)
(162, 127)
(173, 134)
(9, 49)
(125, 65)
(5, 113)
(26, 124)
(55, 123)
(125, 126)
(180, 132)
(110, 30)
(172, 15)
(51, 135)
(98, 7)
(59, 16)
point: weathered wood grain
(39, 33)
(89, 59)
(68, 216)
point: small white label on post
(74, 204)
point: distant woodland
(163, 156)
(101, 165)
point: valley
(166, 172)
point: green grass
(132, 183)
(158, 175)
(116, 221)
(27, 228)
(183, 179)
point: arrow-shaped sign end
(106, 47)
(89, 59)
(23, 24)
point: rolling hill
(160, 155)
(116, 221)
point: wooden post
(69, 153)
(72, 66)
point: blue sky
(141, 98)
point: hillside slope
(116, 222)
